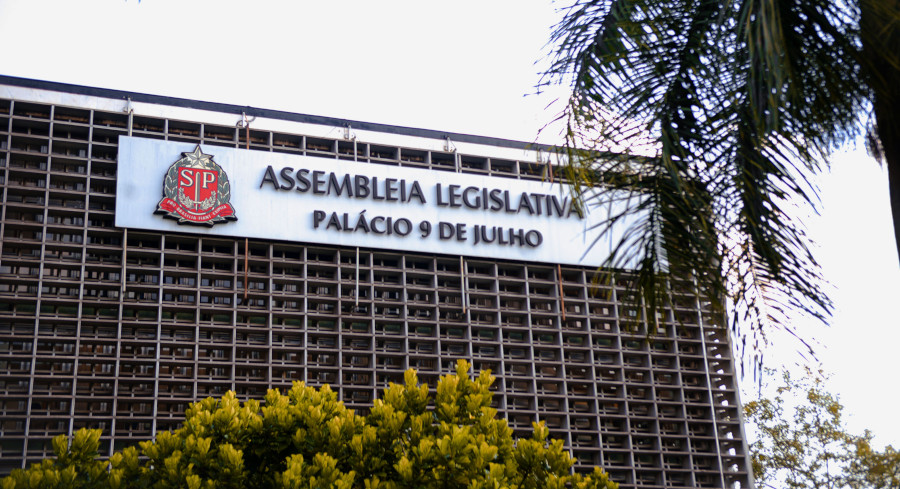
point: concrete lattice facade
(121, 329)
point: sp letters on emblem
(196, 191)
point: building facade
(120, 328)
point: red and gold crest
(196, 191)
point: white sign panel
(211, 190)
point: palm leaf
(721, 112)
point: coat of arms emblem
(196, 191)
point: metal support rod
(124, 262)
(247, 128)
(462, 282)
(245, 270)
(562, 297)
(549, 165)
(246, 243)
(356, 293)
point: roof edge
(270, 113)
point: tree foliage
(306, 438)
(803, 443)
(704, 121)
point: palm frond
(738, 104)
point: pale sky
(461, 66)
